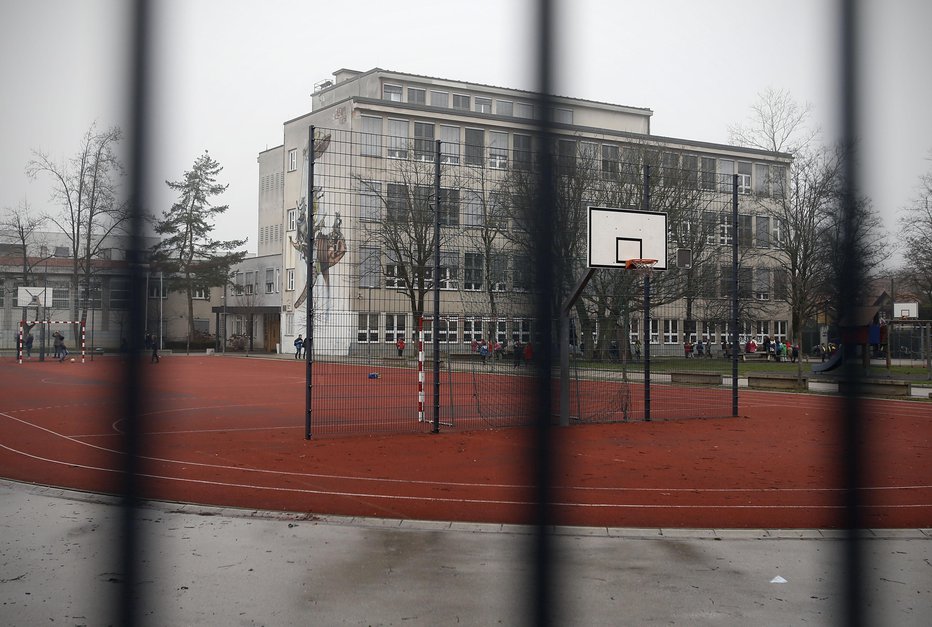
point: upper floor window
(504, 107)
(483, 105)
(371, 140)
(498, 149)
(761, 179)
(522, 151)
(610, 158)
(423, 141)
(744, 177)
(439, 99)
(726, 170)
(563, 116)
(524, 110)
(417, 96)
(398, 139)
(450, 144)
(474, 145)
(203, 293)
(391, 92)
(461, 102)
(292, 159)
(292, 219)
(707, 173)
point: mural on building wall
(327, 286)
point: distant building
(378, 125)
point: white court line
(303, 475)
(432, 499)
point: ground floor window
(472, 330)
(763, 330)
(655, 331)
(671, 331)
(522, 330)
(394, 327)
(780, 330)
(368, 328)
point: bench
(776, 381)
(696, 378)
(879, 387)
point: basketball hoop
(641, 265)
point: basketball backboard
(617, 235)
(31, 297)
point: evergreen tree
(187, 254)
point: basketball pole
(646, 207)
(565, 347)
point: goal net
(25, 330)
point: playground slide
(833, 362)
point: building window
(474, 146)
(522, 330)
(473, 267)
(394, 275)
(566, 155)
(449, 207)
(725, 281)
(440, 99)
(498, 267)
(472, 208)
(778, 177)
(780, 327)
(589, 152)
(391, 92)
(450, 144)
(504, 107)
(671, 331)
(423, 141)
(708, 332)
(371, 144)
(483, 105)
(745, 282)
(610, 157)
(203, 293)
(761, 179)
(744, 231)
(521, 279)
(563, 116)
(278, 281)
(689, 171)
(461, 102)
(523, 151)
(726, 170)
(498, 150)
(61, 296)
(781, 284)
(370, 200)
(707, 173)
(119, 294)
(763, 231)
(155, 287)
(417, 96)
(744, 177)
(394, 327)
(292, 219)
(292, 159)
(269, 280)
(368, 328)
(398, 139)
(762, 284)
(289, 280)
(369, 265)
(449, 270)
(472, 330)
(524, 110)
(396, 202)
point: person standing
(517, 352)
(155, 351)
(62, 349)
(58, 341)
(28, 345)
(298, 346)
(528, 353)
(400, 345)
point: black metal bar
(435, 428)
(645, 205)
(309, 299)
(131, 593)
(545, 596)
(734, 295)
(852, 453)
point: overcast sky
(230, 72)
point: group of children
(58, 345)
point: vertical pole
(19, 343)
(420, 369)
(436, 425)
(734, 295)
(564, 368)
(161, 296)
(645, 202)
(309, 281)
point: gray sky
(231, 71)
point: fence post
(309, 300)
(436, 424)
(646, 206)
(734, 295)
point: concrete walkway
(209, 566)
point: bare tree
(87, 187)
(23, 227)
(916, 236)
(405, 230)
